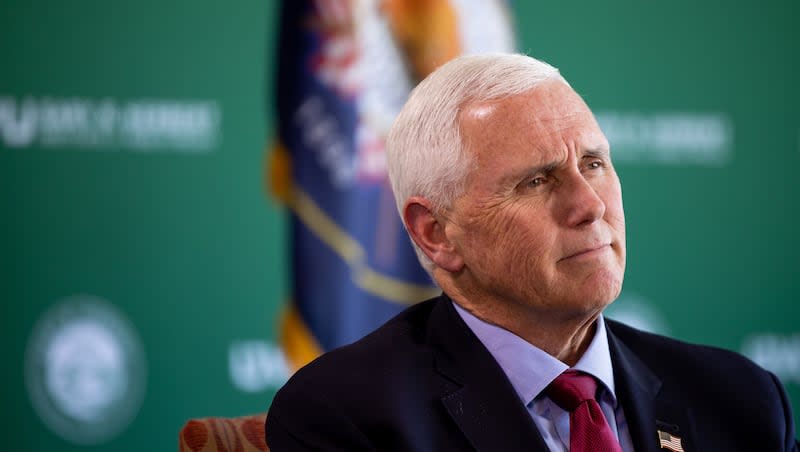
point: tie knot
(571, 388)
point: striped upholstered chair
(218, 434)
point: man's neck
(564, 337)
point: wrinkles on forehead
(543, 118)
(540, 127)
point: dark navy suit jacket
(424, 382)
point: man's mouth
(589, 251)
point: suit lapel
(648, 409)
(483, 404)
(478, 397)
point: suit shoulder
(356, 383)
(716, 383)
(394, 345)
(392, 338)
(669, 353)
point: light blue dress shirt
(530, 370)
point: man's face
(541, 225)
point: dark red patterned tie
(588, 430)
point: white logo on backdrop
(634, 310)
(85, 370)
(109, 124)
(256, 366)
(777, 353)
(680, 138)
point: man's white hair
(425, 154)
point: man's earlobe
(429, 233)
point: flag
(669, 442)
(345, 68)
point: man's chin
(603, 284)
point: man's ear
(430, 235)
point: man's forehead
(480, 110)
(547, 111)
(548, 97)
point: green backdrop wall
(133, 205)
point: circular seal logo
(85, 370)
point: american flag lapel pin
(670, 442)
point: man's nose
(580, 201)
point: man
(505, 184)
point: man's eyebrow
(521, 175)
(597, 152)
(545, 168)
(549, 167)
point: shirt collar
(529, 368)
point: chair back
(219, 434)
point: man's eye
(537, 181)
(595, 164)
